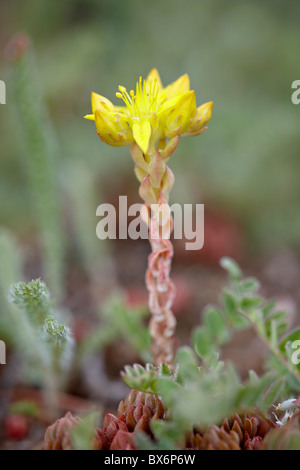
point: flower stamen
(144, 102)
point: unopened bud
(201, 118)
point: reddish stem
(161, 295)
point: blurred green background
(242, 55)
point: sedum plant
(152, 122)
(185, 398)
(189, 398)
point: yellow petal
(91, 117)
(100, 102)
(154, 75)
(204, 112)
(141, 134)
(175, 114)
(181, 85)
(122, 110)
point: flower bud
(112, 128)
(201, 118)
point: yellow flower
(151, 113)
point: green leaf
(274, 335)
(290, 348)
(257, 318)
(168, 389)
(272, 394)
(140, 378)
(82, 434)
(56, 332)
(167, 434)
(231, 309)
(202, 342)
(25, 407)
(252, 391)
(269, 307)
(275, 364)
(253, 377)
(216, 325)
(290, 338)
(144, 442)
(250, 303)
(187, 365)
(249, 285)
(230, 303)
(232, 268)
(165, 370)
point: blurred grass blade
(41, 159)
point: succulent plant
(58, 436)
(139, 409)
(135, 413)
(104, 437)
(123, 441)
(236, 433)
(152, 122)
